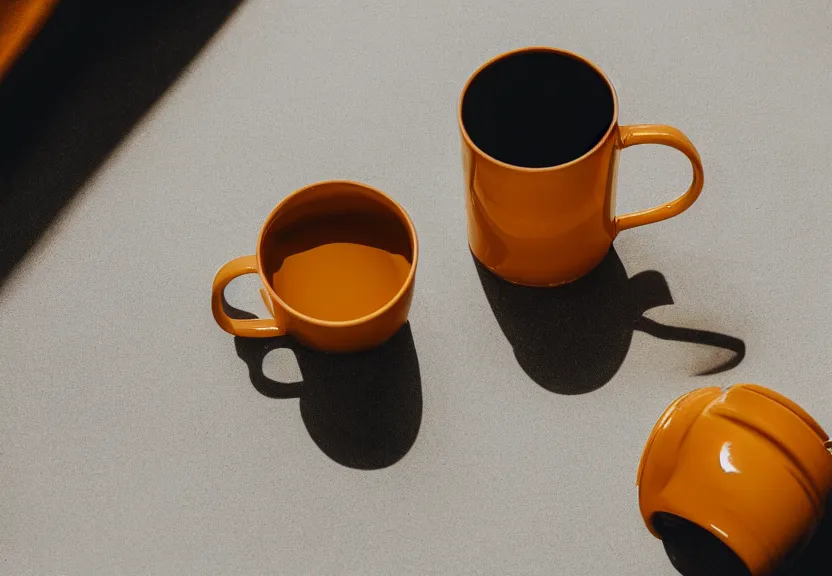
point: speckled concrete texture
(499, 434)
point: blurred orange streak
(20, 20)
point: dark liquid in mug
(537, 108)
(339, 267)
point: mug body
(351, 208)
(747, 466)
(539, 149)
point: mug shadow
(363, 409)
(573, 339)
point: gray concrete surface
(133, 440)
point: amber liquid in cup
(339, 267)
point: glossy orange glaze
(20, 20)
(747, 464)
(548, 226)
(338, 261)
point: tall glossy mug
(337, 261)
(734, 481)
(540, 144)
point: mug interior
(694, 550)
(337, 251)
(537, 108)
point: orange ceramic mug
(540, 143)
(337, 260)
(743, 475)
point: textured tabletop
(138, 438)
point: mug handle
(669, 136)
(257, 328)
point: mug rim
(394, 207)
(562, 52)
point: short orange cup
(337, 260)
(745, 473)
